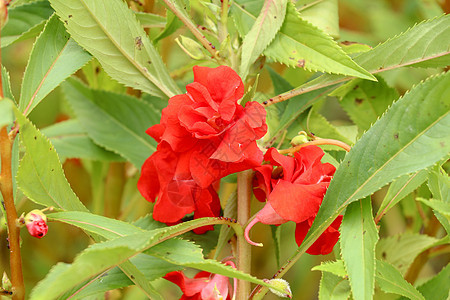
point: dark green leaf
(110, 31)
(415, 126)
(40, 176)
(54, 57)
(25, 21)
(114, 121)
(72, 141)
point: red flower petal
(224, 85)
(296, 202)
(188, 286)
(325, 243)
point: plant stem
(317, 142)
(6, 187)
(243, 259)
(223, 32)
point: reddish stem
(6, 187)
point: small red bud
(36, 222)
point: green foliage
(6, 84)
(358, 240)
(400, 188)
(391, 281)
(101, 257)
(111, 33)
(383, 152)
(262, 33)
(6, 112)
(25, 21)
(72, 141)
(54, 58)
(401, 250)
(43, 181)
(300, 44)
(333, 287)
(435, 288)
(281, 48)
(114, 121)
(415, 47)
(365, 101)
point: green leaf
(359, 236)
(114, 121)
(335, 267)
(439, 184)
(98, 258)
(333, 287)
(400, 188)
(54, 57)
(139, 279)
(25, 21)
(300, 44)
(435, 287)
(151, 267)
(422, 45)
(391, 281)
(103, 226)
(401, 250)
(72, 141)
(437, 205)
(187, 254)
(109, 229)
(40, 176)
(366, 101)
(172, 25)
(110, 31)
(324, 129)
(98, 79)
(6, 83)
(282, 115)
(415, 126)
(6, 112)
(149, 20)
(322, 14)
(262, 33)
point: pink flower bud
(36, 222)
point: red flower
(204, 285)
(36, 223)
(203, 136)
(294, 188)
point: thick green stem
(243, 258)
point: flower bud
(280, 284)
(299, 139)
(6, 283)
(36, 222)
(190, 47)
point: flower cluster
(294, 188)
(203, 136)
